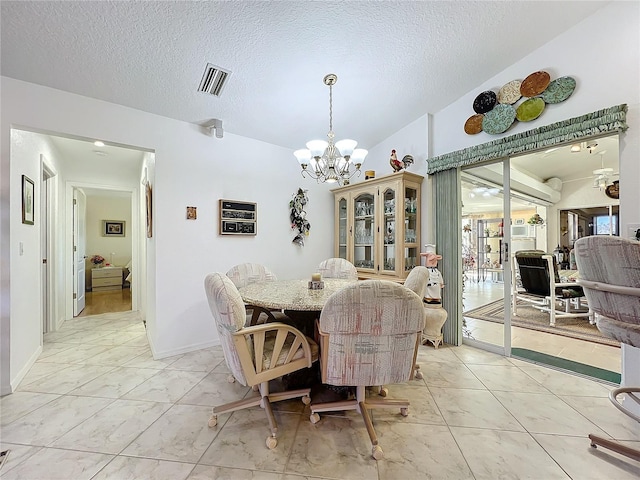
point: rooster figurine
(398, 165)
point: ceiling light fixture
(575, 148)
(98, 143)
(331, 162)
(601, 175)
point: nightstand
(106, 278)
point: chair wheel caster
(376, 452)
(255, 388)
(404, 412)
(213, 421)
(231, 379)
(419, 375)
(383, 392)
(271, 442)
(306, 400)
(314, 418)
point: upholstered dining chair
(416, 281)
(368, 335)
(338, 268)
(256, 354)
(245, 273)
(610, 276)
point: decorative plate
(484, 102)
(530, 109)
(613, 190)
(559, 90)
(499, 119)
(510, 92)
(535, 84)
(473, 124)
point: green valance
(590, 125)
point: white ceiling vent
(213, 80)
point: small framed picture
(149, 209)
(113, 228)
(519, 221)
(28, 190)
(192, 213)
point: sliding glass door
(486, 262)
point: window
(605, 225)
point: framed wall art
(238, 218)
(149, 204)
(28, 205)
(113, 228)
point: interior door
(79, 250)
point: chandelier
(331, 162)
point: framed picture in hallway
(149, 204)
(113, 228)
(28, 190)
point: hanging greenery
(298, 216)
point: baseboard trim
(23, 372)
(178, 351)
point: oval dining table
(294, 295)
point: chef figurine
(432, 293)
(435, 315)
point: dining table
(293, 295)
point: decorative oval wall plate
(535, 84)
(484, 102)
(499, 119)
(559, 90)
(510, 92)
(473, 124)
(530, 109)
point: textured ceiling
(395, 61)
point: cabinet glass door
(389, 237)
(364, 231)
(411, 255)
(342, 228)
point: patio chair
(610, 276)
(368, 332)
(256, 354)
(539, 277)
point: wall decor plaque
(535, 84)
(530, 109)
(484, 102)
(238, 218)
(559, 90)
(473, 124)
(510, 92)
(499, 119)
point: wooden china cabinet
(378, 225)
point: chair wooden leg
(615, 446)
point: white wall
(603, 54)
(191, 168)
(108, 207)
(25, 257)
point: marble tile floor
(96, 405)
(594, 354)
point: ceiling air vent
(213, 80)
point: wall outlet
(633, 230)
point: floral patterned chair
(610, 276)
(256, 354)
(338, 268)
(369, 332)
(245, 273)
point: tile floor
(97, 406)
(594, 354)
